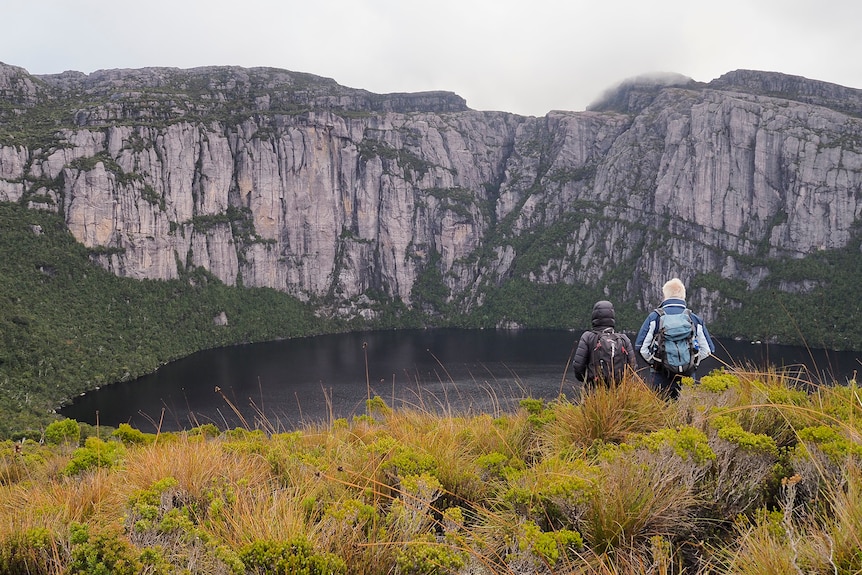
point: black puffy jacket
(602, 317)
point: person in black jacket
(591, 356)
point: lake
(286, 384)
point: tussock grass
(746, 473)
(195, 464)
(606, 414)
(635, 500)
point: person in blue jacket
(663, 381)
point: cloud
(526, 58)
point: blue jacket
(645, 337)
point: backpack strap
(660, 311)
(597, 336)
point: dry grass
(606, 414)
(843, 533)
(760, 550)
(412, 491)
(196, 464)
(635, 501)
(54, 504)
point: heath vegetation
(747, 473)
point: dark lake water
(286, 384)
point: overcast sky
(522, 56)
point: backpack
(608, 357)
(675, 345)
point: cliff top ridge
(265, 88)
(634, 94)
(274, 89)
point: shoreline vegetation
(67, 326)
(748, 472)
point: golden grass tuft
(843, 532)
(622, 482)
(54, 504)
(762, 548)
(635, 501)
(195, 464)
(605, 414)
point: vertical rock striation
(271, 178)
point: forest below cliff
(69, 326)
(271, 178)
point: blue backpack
(675, 343)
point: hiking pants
(668, 385)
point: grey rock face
(293, 182)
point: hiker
(673, 341)
(603, 354)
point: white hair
(673, 289)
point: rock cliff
(272, 178)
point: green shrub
(554, 491)
(832, 443)
(400, 460)
(718, 381)
(131, 436)
(29, 552)
(730, 430)
(146, 507)
(102, 553)
(746, 469)
(427, 556)
(95, 453)
(358, 517)
(410, 513)
(207, 430)
(687, 442)
(539, 414)
(377, 405)
(100, 431)
(532, 405)
(771, 409)
(295, 557)
(494, 465)
(242, 434)
(406, 461)
(163, 517)
(550, 546)
(64, 431)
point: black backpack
(608, 357)
(675, 343)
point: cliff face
(290, 181)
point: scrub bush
(295, 557)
